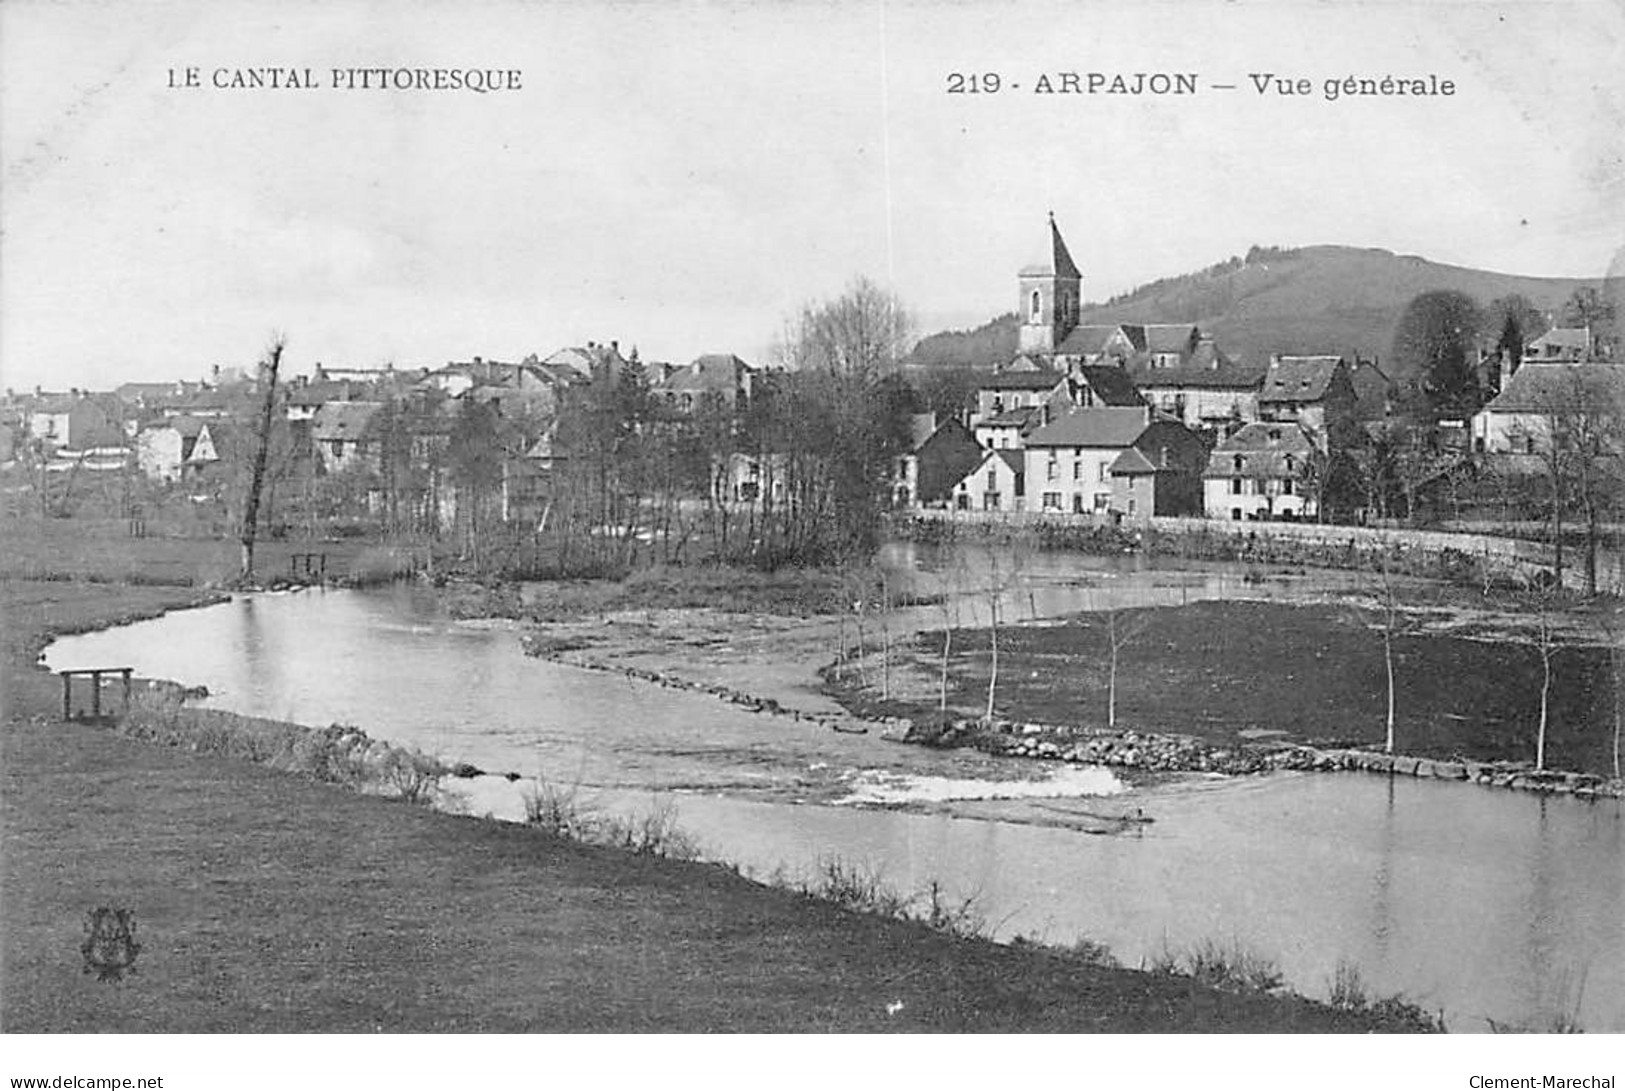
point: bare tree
(251, 506)
(949, 603)
(1578, 434)
(1546, 645)
(995, 589)
(1613, 627)
(1120, 631)
(1000, 580)
(1386, 613)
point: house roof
(1565, 337)
(1545, 388)
(1021, 380)
(343, 420)
(1171, 337)
(190, 427)
(1019, 417)
(921, 427)
(1205, 366)
(1371, 388)
(1132, 461)
(1263, 448)
(152, 391)
(1298, 378)
(322, 392)
(56, 403)
(1011, 457)
(1111, 384)
(712, 373)
(1108, 426)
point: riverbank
(271, 902)
(1467, 708)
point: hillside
(1316, 299)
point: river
(1484, 904)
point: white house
(1069, 461)
(1520, 419)
(998, 483)
(1261, 472)
(173, 449)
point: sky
(684, 176)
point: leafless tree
(1121, 629)
(251, 505)
(1546, 645)
(1386, 613)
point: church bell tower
(1051, 297)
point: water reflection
(1488, 904)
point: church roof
(1060, 263)
(1086, 341)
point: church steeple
(1051, 296)
(1064, 265)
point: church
(1173, 368)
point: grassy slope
(100, 549)
(1316, 299)
(267, 903)
(1326, 682)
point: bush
(858, 888)
(654, 833)
(1232, 968)
(556, 811)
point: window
(992, 481)
(337, 447)
(1235, 513)
(1102, 501)
(1286, 487)
(1036, 307)
(1077, 503)
(1238, 463)
(1131, 505)
(1289, 466)
(1077, 471)
(1052, 501)
(1053, 469)
(1235, 486)
(1105, 472)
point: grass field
(103, 550)
(1315, 674)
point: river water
(1485, 904)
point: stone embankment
(1173, 753)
